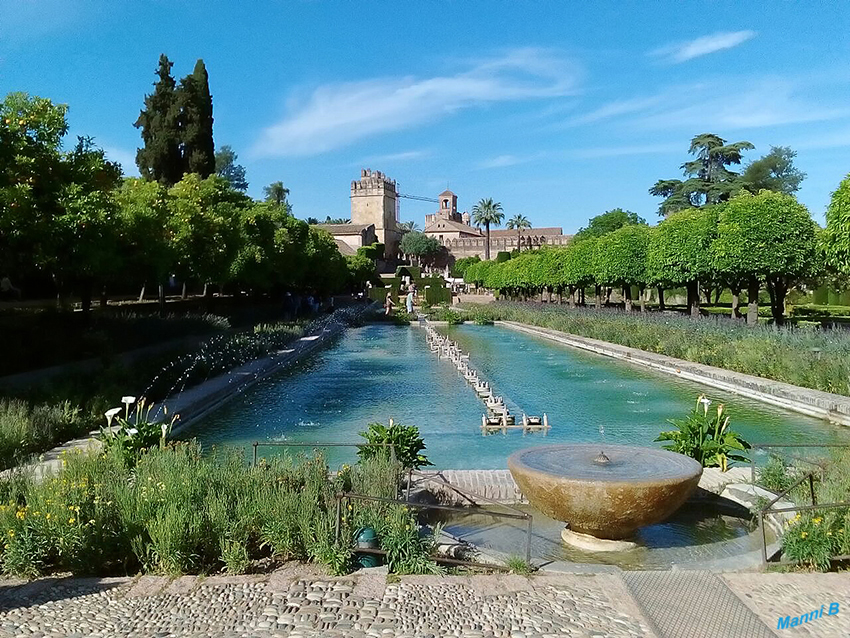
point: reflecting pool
(379, 371)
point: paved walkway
(299, 601)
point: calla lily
(132, 431)
(128, 400)
(111, 414)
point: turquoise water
(378, 371)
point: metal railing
(258, 444)
(347, 497)
(809, 477)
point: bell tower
(374, 200)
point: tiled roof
(344, 249)
(448, 225)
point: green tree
(161, 159)
(327, 270)
(518, 223)
(420, 245)
(31, 132)
(406, 227)
(709, 180)
(226, 167)
(680, 252)
(271, 249)
(144, 240)
(774, 172)
(360, 270)
(578, 268)
(196, 122)
(836, 237)
(622, 260)
(769, 238)
(489, 213)
(204, 226)
(276, 194)
(461, 265)
(608, 222)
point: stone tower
(374, 200)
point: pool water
(379, 371)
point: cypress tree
(196, 122)
(160, 159)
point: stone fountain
(604, 496)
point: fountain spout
(601, 459)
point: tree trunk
(572, 296)
(753, 302)
(142, 294)
(717, 292)
(581, 297)
(642, 299)
(85, 297)
(660, 290)
(693, 297)
(778, 291)
(627, 297)
(487, 240)
(183, 294)
(598, 302)
(736, 302)
(608, 292)
(161, 300)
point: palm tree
(276, 193)
(407, 227)
(519, 223)
(489, 213)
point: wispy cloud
(404, 156)
(623, 151)
(338, 114)
(705, 105)
(679, 52)
(501, 161)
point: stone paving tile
(294, 605)
(774, 596)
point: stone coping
(824, 405)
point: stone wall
(467, 247)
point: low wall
(831, 407)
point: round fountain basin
(636, 486)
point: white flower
(128, 400)
(111, 414)
(132, 431)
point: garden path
(300, 601)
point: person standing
(388, 303)
(410, 301)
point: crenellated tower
(374, 200)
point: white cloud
(126, 158)
(338, 114)
(622, 151)
(404, 156)
(725, 104)
(679, 52)
(501, 161)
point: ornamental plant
(405, 440)
(705, 438)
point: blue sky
(560, 110)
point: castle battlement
(372, 182)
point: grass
(177, 511)
(519, 565)
(810, 358)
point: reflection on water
(698, 532)
(378, 371)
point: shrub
(406, 443)
(705, 438)
(27, 428)
(442, 313)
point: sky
(558, 110)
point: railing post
(338, 514)
(763, 539)
(812, 488)
(255, 445)
(528, 541)
(409, 480)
